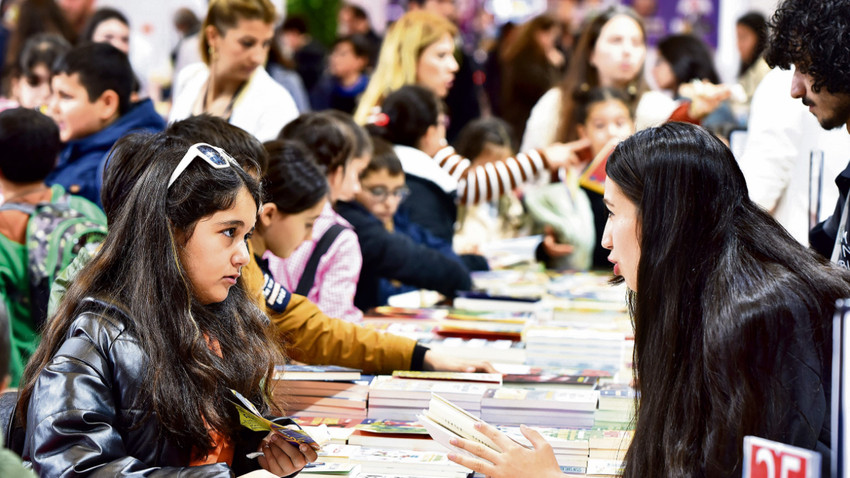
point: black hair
(477, 134)
(187, 383)
(383, 158)
(30, 144)
(42, 49)
(410, 111)
(99, 16)
(811, 35)
(756, 22)
(293, 181)
(101, 67)
(585, 100)
(246, 149)
(295, 23)
(362, 140)
(356, 11)
(359, 44)
(717, 279)
(689, 58)
(326, 136)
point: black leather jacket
(80, 420)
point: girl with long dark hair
(732, 316)
(135, 371)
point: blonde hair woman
(231, 83)
(417, 50)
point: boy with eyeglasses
(398, 255)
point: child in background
(402, 256)
(325, 269)
(484, 141)
(10, 464)
(30, 74)
(340, 88)
(30, 142)
(571, 224)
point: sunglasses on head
(212, 155)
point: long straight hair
(722, 293)
(582, 76)
(186, 383)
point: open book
(287, 428)
(445, 421)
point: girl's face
(382, 193)
(622, 233)
(32, 90)
(343, 61)
(283, 233)
(241, 49)
(217, 249)
(606, 120)
(619, 51)
(663, 74)
(436, 67)
(345, 181)
(747, 41)
(114, 32)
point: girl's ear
(267, 214)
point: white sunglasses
(212, 155)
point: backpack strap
(28, 209)
(308, 277)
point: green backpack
(56, 231)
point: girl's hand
(565, 155)
(552, 247)
(514, 460)
(282, 458)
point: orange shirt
(224, 448)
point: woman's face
(606, 120)
(32, 90)
(436, 67)
(115, 32)
(747, 41)
(345, 181)
(619, 51)
(241, 49)
(285, 232)
(622, 233)
(214, 254)
(382, 193)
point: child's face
(382, 193)
(283, 233)
(115, 32)
(343, 61)
(345, 181)
(76, 115)
(32, 90)
(606, 120)
(215, 253)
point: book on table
(316, 372)
(444, 421)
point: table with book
(563, 347)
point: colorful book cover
(396, 427)
(315, 372)
(252, 419)
(451, 376)
(543, 378)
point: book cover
(315, 372)
(252, 419)
(394, 427)
(544, 378)
(522, 398)
(450, 376)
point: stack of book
(550, 380)
(606, 451)
(326, 391)
(394, 398)
(545, 408)
(570, 445)
(381, 461)
(616, 406)
(576, 348)
(393, 434)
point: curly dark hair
(813, 36)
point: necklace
(228, 111)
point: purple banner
(667, 17)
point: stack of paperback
(616, 406)
(379, 461)
(607, 449)
(574, 348)
(570, 445)
(326, 391)
(393, 398)
(545, 408)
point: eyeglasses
(381, 193)
(212, 155)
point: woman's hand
(282, 458)
(435, 361)
(705, 97)
(514, 460)
(566, 155)
(552, 247)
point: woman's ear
(266, 215)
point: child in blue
(401, 255)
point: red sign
(770, 459)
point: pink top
(339, 269)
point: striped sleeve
(477, 184)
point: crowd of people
(153, 262)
